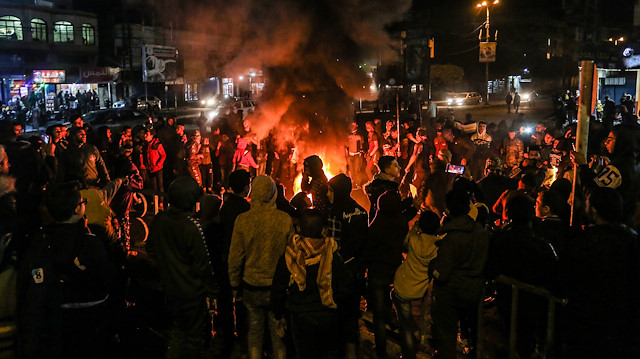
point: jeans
(259, 314)
(207, 175)
(380, 297)
(188, 330)
(446, 310)
(407, 326)
(155, 181)
(354, 164)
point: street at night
(323, 179)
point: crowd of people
(452, 206)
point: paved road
(542, 109)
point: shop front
(44, 88)
(102, 81)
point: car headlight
(211, 102)
(526, 96)
(203, 102)
(459, 101)
(449, 101)
(213, 114)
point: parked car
(110, 116)
(140, 103)
(246, 106)
(464, 98)
(225, 109)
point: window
(88, 35)
(38, 30)
(63, 31)
(615, 81)
(10, 28)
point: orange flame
(297, 182)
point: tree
(446, 77)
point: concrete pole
(587, 70)
(486, 64)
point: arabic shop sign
(92, 75)
(49, 76)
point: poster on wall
(487, 52)
(159, 63)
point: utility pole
(587, 73)
(486, 64)
(491, 58)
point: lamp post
(487, 4)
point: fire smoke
(310, 53)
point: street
(497, 111)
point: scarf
(300, 253)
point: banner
(49, 76)
(159, 63)
(92, 75)
(487, 52)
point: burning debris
(311, 54)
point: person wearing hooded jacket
(457, 272)
(259, 238)
(383, 255)
(387, 179)
(177, 242)
(311, 282)
(348, 222)
(64, 284)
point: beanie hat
(184, 192)
(341, 186)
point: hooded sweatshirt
(259, 238)
(386, 235)
(412, 277)
(462, 254)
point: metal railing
(516, 287)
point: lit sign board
(49, 76)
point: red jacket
(155, 156)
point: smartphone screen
(455, 169)
(45, 138)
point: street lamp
(487, 4)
